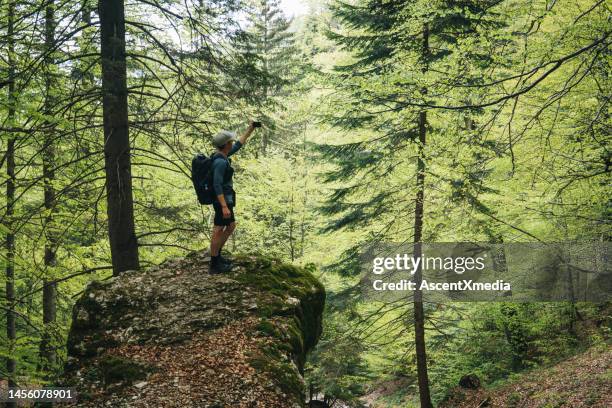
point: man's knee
(217, 230)
(231, 227)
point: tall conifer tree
(47, 350)
(396, 45)
(120, 205)
(269, 44)
(11, 330)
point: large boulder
(174, 336)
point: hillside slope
(584, 380)
(174, 336)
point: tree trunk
(305, 201)
(47, 350)
(419, 313)
(264, 54)
(11, 334)
(291, 238)
(84, 44)
(120, 206)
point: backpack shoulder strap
(217, 155)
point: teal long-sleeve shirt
(223, 173)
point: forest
(404, 121)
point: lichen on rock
(175, 336)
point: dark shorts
(219, 220)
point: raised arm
(243, 139)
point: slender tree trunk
(419, 313)
(305, 201)
(310, 391)
(86, 36)
(11, 334)
(120, 205)
(264, 136)
(47, 350)
(86, 13)
(291, 239)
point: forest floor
(214, 365)
(385, 389)
(584, 380)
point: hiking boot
(225, 261)
(219, 267)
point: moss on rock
(286, 290)
(284, 374)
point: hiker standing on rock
(225, 197)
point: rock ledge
(174, 336)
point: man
(227, 144)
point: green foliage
(518, 149)
(268, 46)
(337, 369)
(505, 338)
(493, 166)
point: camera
(257, 124)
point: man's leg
(221, 231)
(229, 229)
(217, 240)
(225, 234)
